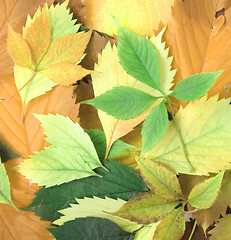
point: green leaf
(171, 227)
(121, 149)
(195, 86)
(123, 102)
(222, 229)
(138, 57)
(204, 194)
(154, 127)
(146, 208)
(160, 179)
(90, 228)
(99, 140)
(63, 132)
(6, 153)
(54, 166)
(120, 182)
(97, 207)
(5, 196)
(204, 127)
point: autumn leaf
(135, 15)
(205, 135)
(97, 207)
(195, 47)
(6, 153)
(147, 232)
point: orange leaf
(65, 73)
(18, 49)
(67, 49)
(194, 46)
(38, 37)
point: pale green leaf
(204, 194)
(171, 227)
(54, 166)
(63, 132)
(222, 229)
(160, 179)
(97, 207)
(205, 126)
(123, 102)
(146, 208)
(154, 127)
(138, 57)
(195, 86)
(5, 196)
(146, 232)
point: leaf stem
(180, 136)
(193, 230)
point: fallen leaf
(195, 47)
(138, 16)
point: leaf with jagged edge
(160, 179)
(204, 194)
(147, 231)
(146, 208)
(222, 229)
(120, 182)
(141, 16)
(205, 127)
(5, 196)
(97, 207)
(171, 227)
(56, 22)
(113, 75)
(90, 228)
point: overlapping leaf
(120, 182)
(44, 47)
(70, 142)
(139, 16)
(205, 134)
(97, 207)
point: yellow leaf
(195, 47)
(18, 49)
(137, 15)
(68, 48)
(65, 73)
(38, 37)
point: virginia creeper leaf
(147, 232)
(204, 194)
(38, 37)
(120, 182)
(63, 132)
(97, 207)
(18, 49)
(146, 208)
(171, 227)
(54, 166)
(154, 127)
(5, 196)
(195, 86)
(122, 102)
(6, 153)
(138, 57)
(160, 179)
(90, 228)
(205, 134)
(222, 229)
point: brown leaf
(195, 49)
